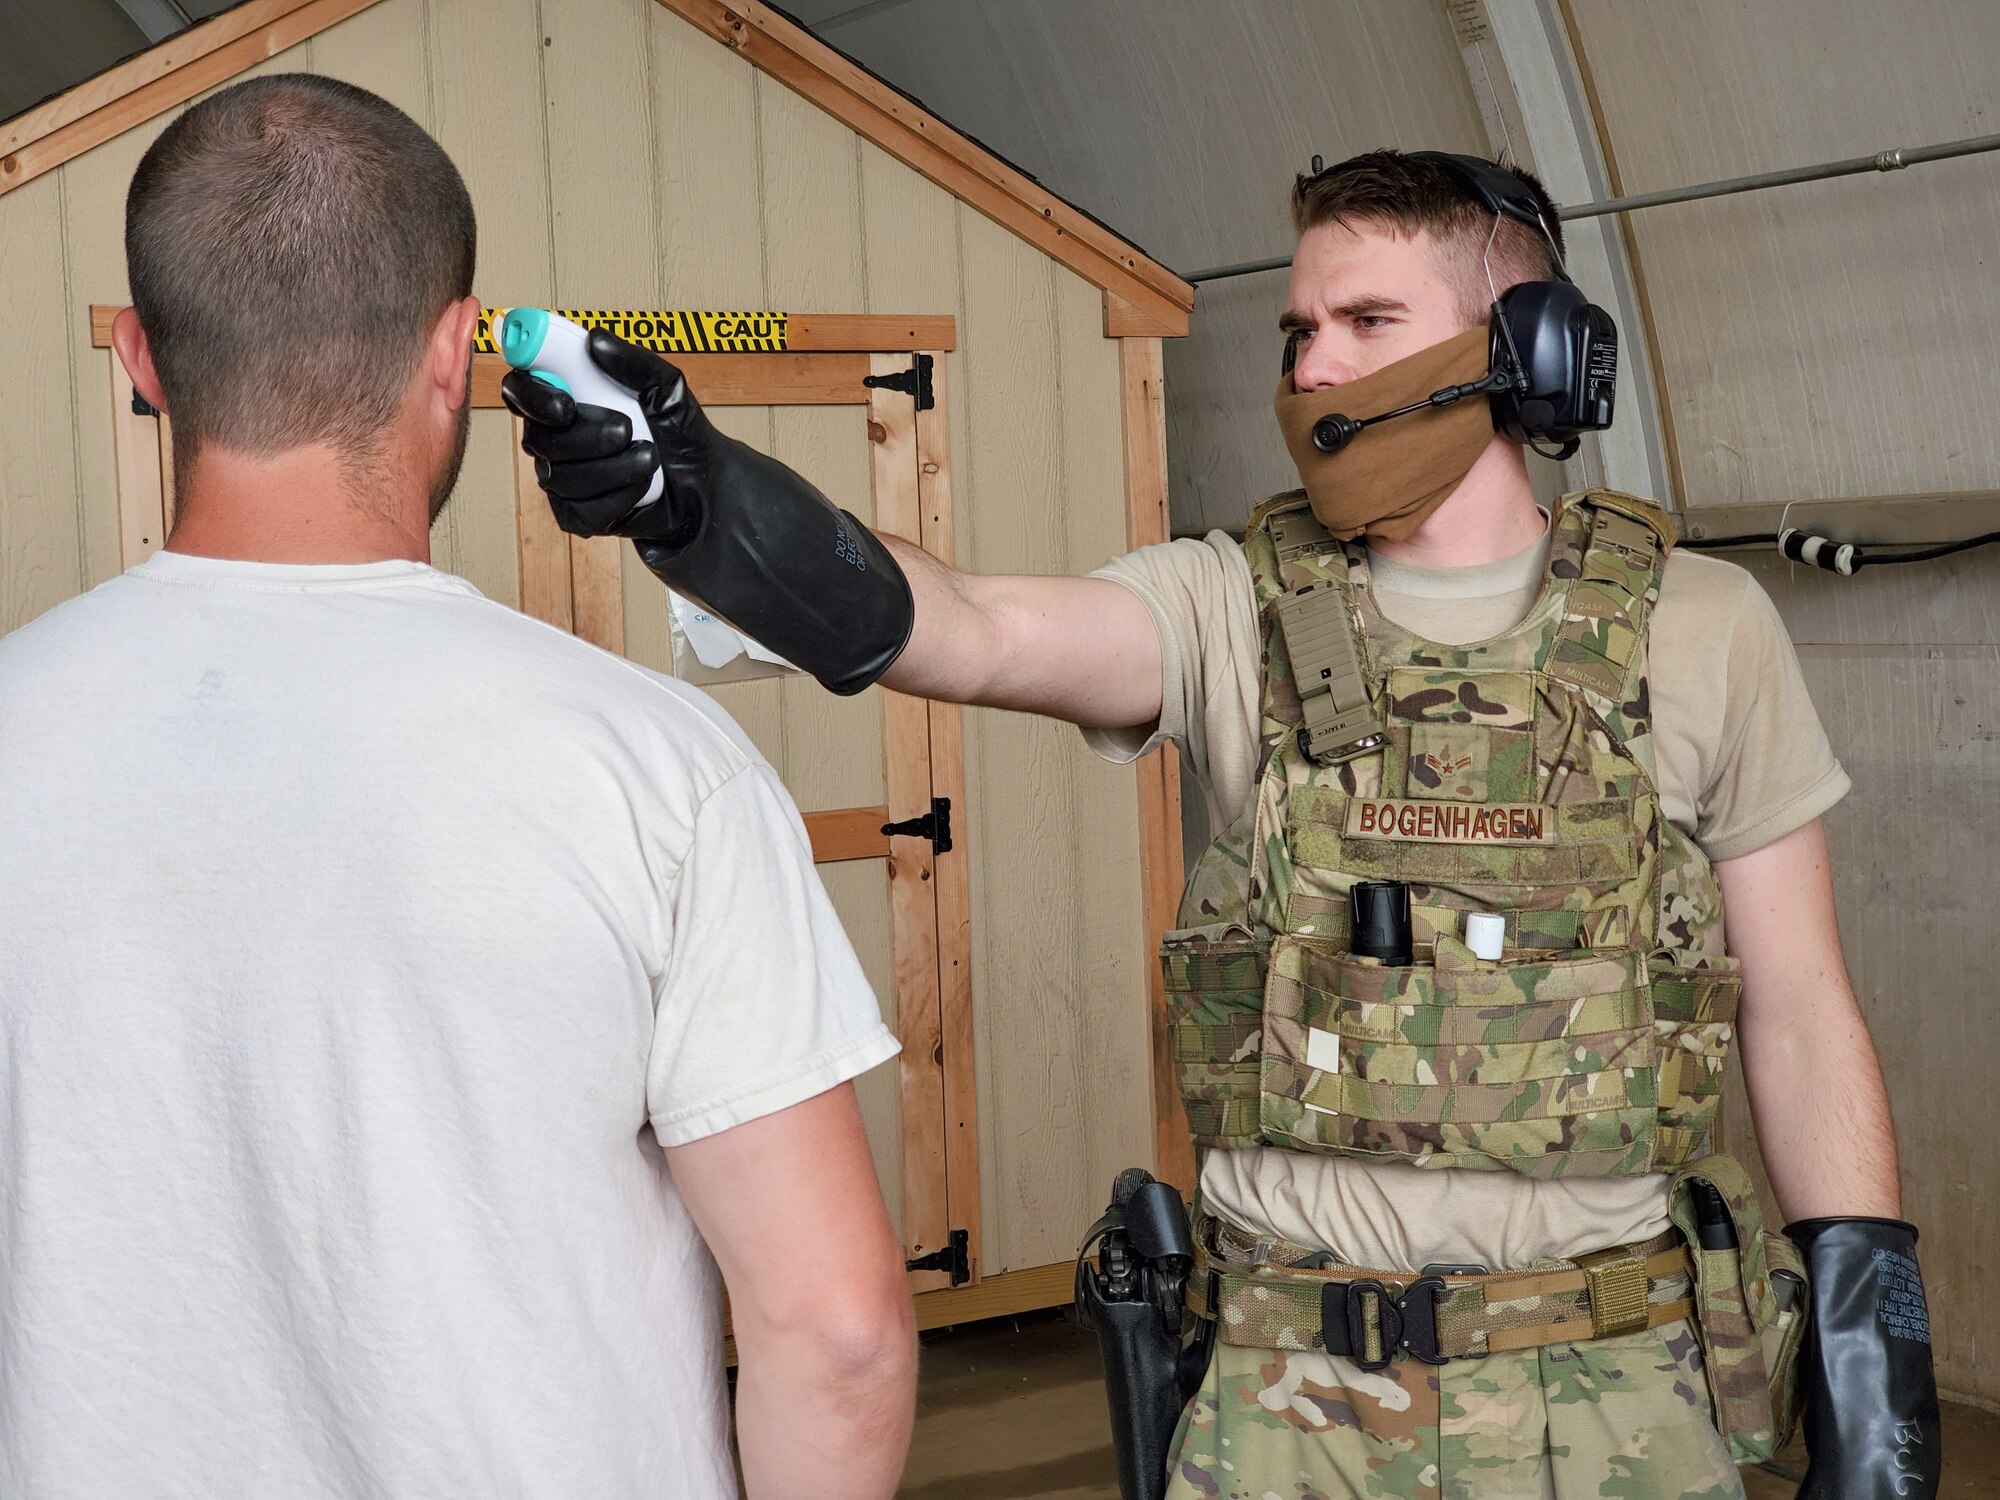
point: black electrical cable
(1866, 554)
(1986, 539)
(1750, 539)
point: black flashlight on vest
(1378, 921)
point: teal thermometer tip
(552, 348)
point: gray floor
(1014, 1410)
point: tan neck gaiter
(1390, 477)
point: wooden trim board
(907, 769)
(735, 379)
(543, 547)
(157, 80)
(926, 144)
(805, 333)
(845, 833)
(869, 333)
(1143, 397)
(1124, 320)
(597, 591)
(999, 1296)
(1142, 382)
(793, 378)
(1162, 876)
(953, 869)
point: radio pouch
(1750, 1306)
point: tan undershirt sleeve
(1200, 597)
(1743, 755)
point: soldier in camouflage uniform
(1458, 1225)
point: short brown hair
(1409, 194)
(292, 242)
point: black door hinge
(956, 1257)
(915, 381)
(934, 825)
(141, 407)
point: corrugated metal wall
(1829, 340)
(619, 157)
(1904, 667)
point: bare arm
(1081, 649)
(1815, 1085)
(825, 1333)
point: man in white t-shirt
(1450, 1198)
(404, 1006)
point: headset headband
(1502, 190)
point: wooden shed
(958, 355)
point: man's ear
(136, 355)
(451, 350)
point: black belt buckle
(1408, 1320)
(1419, 1308)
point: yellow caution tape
(672, 332)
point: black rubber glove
(733, 529)
(1871, 1417)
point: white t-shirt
(361, 944)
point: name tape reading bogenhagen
(1449, 822)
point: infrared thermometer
(550, 347)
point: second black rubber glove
(1871, 1418)
(734, 529)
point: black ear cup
(1561, 348)
(1562, 351)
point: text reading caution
(670, 332)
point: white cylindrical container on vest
(1485, 934)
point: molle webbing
(1341, 718)
(1268, 1293)
(1553, 931)
(1605, 619)
(1512, 776)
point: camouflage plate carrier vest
(1516, 776)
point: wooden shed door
(856, 766)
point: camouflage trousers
(1625, 1417)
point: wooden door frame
(1142, 380)
(1141, 369)
(576, 584)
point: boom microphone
(1334, 431)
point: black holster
(1131, 1286)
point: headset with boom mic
(1552, 365)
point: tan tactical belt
(1267, 1293)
